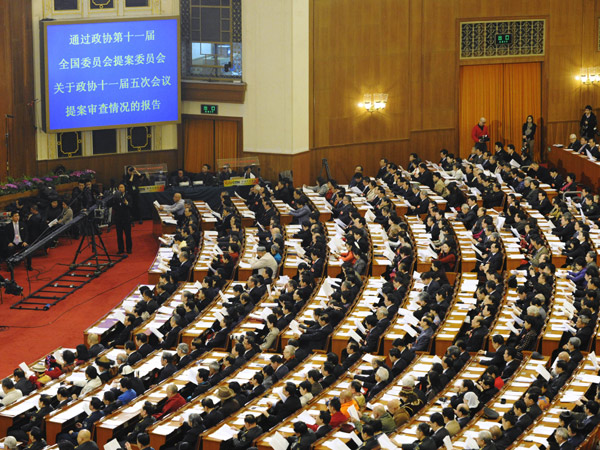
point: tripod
(91, 232)
(325, 166)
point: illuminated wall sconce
(589, 76)
(374, 102)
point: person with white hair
(574, 142)
(484, 440)
(381, 378)
(10, 443)
(263, 259)
(183, 352)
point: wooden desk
(248, 256)
(205, 215)
(208, 251)
(106, 327)
(285, 218)
(557, 316)
(294, 251)
(162, 223)
(320, 204)
(586, 171)
(163, 256)
(379, 245)
(354, 318)
(247, 216)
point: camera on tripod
(11, 287)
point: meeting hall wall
(408, 49)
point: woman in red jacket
(447, 256)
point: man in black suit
(497, 355)
(317, 264)
(350, 355)
(424, 442)
(467, 216)
(463, 415)
(212, 414)
(436, 420)
(256, 382)
(398, 364)
(510, 432)
(16, 237)
(493, 261)
(141, 340)
(169, 367)
(531, 400)
(375, 328)
(523, 419)
(556, 383)
(133, 355)
(321, 426)
(477, 335)
(561, 436)
(316, 336)
(512, 364)
(282, 409)
(484, 440)
(425, 176)
(592, 417)
(182, 271)
(422, 205)
(84, 441)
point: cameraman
(480, 135)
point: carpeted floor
(27, 335)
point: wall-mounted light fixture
(374, 102)
(588, 76)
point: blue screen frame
(113, 73)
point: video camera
(10, 286)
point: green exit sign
(503, 39)
(210, 109)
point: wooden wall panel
(359, 47)
(16, 87)
(111, 166)
(5, 84)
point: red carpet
(32, 334)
